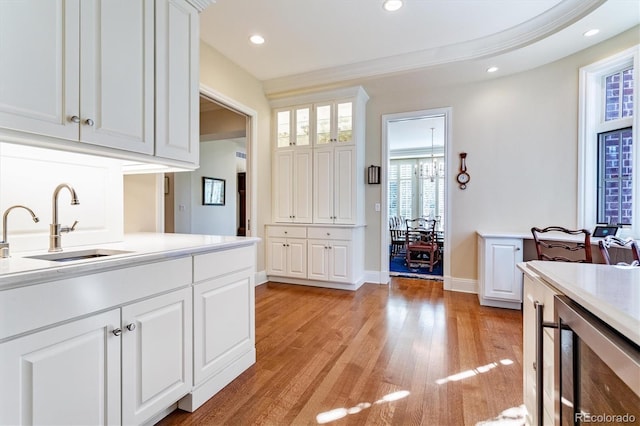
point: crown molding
(544, 25)
(201, 5)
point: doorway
(416, 184)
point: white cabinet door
(318, 261)
(68, 374)
(117, 74)
(292, 127)
(223, 315)
(79, 73)
(156, 354)
(287, 257)
(177, 81)
(334, 185)
(500, 281)
(334, 123)
(344, 185)
(340, 261)
(292, 186)
(39, 75)
(323, 184)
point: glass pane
(612, 97)
(345, 122)
(283, 128)
(323, 124)
(302, 126)
(627, 93)
(615, 173)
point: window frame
(591, 123)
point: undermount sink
(77, 255)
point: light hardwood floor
(405, 354)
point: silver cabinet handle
(74, 119)
(117, 331)
(131, 327)
(538, 365)
(88, 122)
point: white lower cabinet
(317, 254)
(68, 374)
(535, 290)
(499, 280)
(156, 354)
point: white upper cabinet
(292, 186)
(293, 127)
(177, 81)
(79, 73)
(334, 123)
(334, 182)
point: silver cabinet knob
(75, 119)
(88, 122)
(131, 327)
(117, 331)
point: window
(609, 178)
(416, 188)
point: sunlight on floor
(514, 416)
(474, 372)
(338, 413)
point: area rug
(397, 268)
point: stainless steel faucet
(4, 244)
(55, 229)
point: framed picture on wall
(213, 191)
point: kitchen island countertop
(610, 292)
(19, 269)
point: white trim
(252, 151)
(261, 278)
(463, 285)
(590, 122)
(377, 277)
(447, 112)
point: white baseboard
(261, 278)
(376, 277)
(463, 285)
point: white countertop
(19, 270)
(612, 293)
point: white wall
(29, 176)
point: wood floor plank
(405, 354)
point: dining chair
(420, 244)
(396, 230)
(619, 244)
(557, 243)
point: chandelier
(431, 170)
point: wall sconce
(373, 174)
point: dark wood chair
(621, 245)
(556, 243)
(396, 230)
(421, 244)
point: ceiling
(323, 42)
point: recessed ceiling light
(492, 69)
(591, 32)
(256, 39)
(392, 5)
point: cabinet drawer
(223, 262)
(328, 233)
(287, 231)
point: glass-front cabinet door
(293, 126)
(334, 123)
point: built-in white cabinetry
(537, 292)
(334, 178)
(83, 74)
(68, 374)
(499, 280)
(293, 127)
(116, 78)
(177, 81)
(330, 254)
(334, 122)
(156, 354)
(287, 251)
(327, 127)
(292, 188)
(316, 255)
(223, 321)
